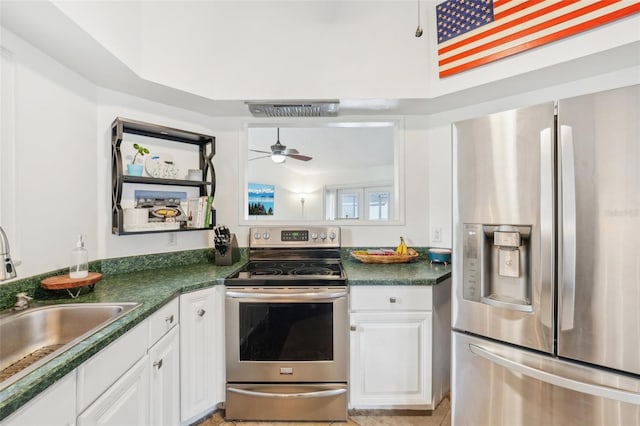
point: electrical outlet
(173, 238)
(436, 234)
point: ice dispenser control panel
(472, 256)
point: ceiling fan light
(278, 158)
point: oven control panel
(295, 236)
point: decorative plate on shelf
(161, 166)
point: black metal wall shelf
(206, 151)
(162, 181)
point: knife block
(231, 256)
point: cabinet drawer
(163, 320)
(391, 298)
(98, 373)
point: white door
(197, 352)
(52, 407)
(390, 359)
(126, 402)
(164, 365)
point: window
(348, 204)
(359, 203)
(378, 204)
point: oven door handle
(315, 394)
(282, 296)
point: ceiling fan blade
(299, 157)
(262, 152)
(257, 158)
(290, 151)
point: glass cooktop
(300, 270)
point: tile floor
(441, 416)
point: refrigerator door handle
(546, 226)
(568, 231)
(556, 380)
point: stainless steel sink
(32, 337)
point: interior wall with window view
(361, 194)
(359, 202)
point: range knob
(314, 236)
(257, 236)
(332, 236)
(266, 235)
(323, 236)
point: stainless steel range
(287, 328)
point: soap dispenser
(79, 266)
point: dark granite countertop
(155, 287)
(417, 272)
(152, 288)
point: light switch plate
(436, 234)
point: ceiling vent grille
(294, 109)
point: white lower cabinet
(160, 372)
(399, 346)
(201, 351)
(56, 406)
(164, 367)
(390, 355)
(113, 385)
(136, 379)
(101, 371)
(126, 402)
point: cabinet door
(55, 406)
(164, 393)
(126, 402)
(390, 360)
(101, 371)
(198, 353)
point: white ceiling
(43, 25)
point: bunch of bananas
(402, 248)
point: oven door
(296, 334)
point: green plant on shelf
(141, 150)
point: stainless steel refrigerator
(546, 264)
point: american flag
(475, 32)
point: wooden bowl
(364, 257)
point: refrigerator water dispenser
(496, 265)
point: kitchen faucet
(7, 269)
(22, 301)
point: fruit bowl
(365, 257)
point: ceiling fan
(279, 152)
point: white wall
(427, 167)
(115, 23)
(290, 186)
(113, 104)
(54, 127)
(62, 152)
